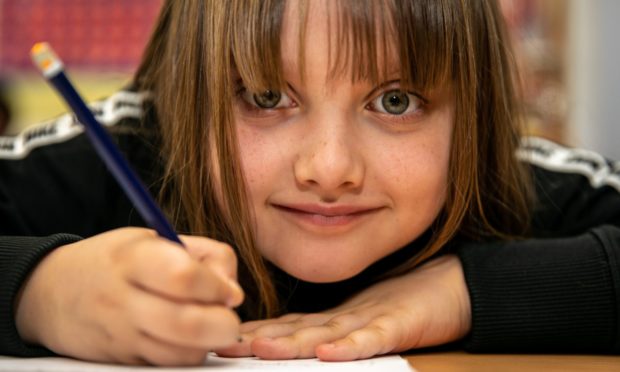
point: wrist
(31, 305)
(461, 293)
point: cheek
(422, 170)
(414, 172)
(249, 144)
(417, 180)
(419, 160)
(265, 156)
(259, 156)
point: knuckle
(379, 331)
(227, 252)
(352, 340)
(387, 331)
(190, 323)
(333, 325)
(342, 321)
(221, 288)
(241, 297)
(384, 325)
(182, 275)
(263, 331)
(308, 319)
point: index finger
(211, 252)
(160, 267)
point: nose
(329, 160)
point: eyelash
(247, 100)
(413, 98)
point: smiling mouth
(326, 217)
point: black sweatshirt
(556, 292)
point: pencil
(53, 70)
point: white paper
(391, 363)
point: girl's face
(340, 173)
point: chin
(321, 273)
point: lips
(326, 216)
(328, 211)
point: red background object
(108, 34)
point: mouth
(315, 215)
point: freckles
(418, 169)
(250, 145)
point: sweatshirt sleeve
(545, 295)
(18, 256)
(558, 290)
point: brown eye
(395, 102)
(267, 99)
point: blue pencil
(53, 70)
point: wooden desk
(458, 361)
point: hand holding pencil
(127, 295)
(52, 68)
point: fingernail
(330, 346)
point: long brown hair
(197, 46)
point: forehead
(326, 33)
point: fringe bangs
(366, 33)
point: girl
(349, 164)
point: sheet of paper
(213, 363)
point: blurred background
(567, 51)
(100, 42)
